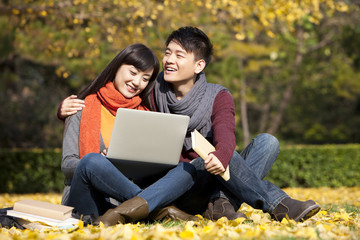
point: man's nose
(170, 58)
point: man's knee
(271, 141)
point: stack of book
(44, 213)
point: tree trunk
(265, 109)
(244, 117)
(287, 94)
(243, 107)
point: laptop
(145, 143)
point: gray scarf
(197, 104)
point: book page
(44, 220)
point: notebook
(145, 143)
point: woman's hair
(138, 55)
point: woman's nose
(136, 80)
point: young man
(182, 89)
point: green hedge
(317, 166)
(30, 171)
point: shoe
(221, 207)
(129, 211)
(171, 212)
(295, 209)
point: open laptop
(145, 143)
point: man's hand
(213, 165)
(71, 105)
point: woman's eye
(133, 73)
(145, 79)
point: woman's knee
(91, 161)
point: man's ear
(200, 65)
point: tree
(268, 43)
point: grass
(339, 218)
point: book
(203, 147)
(43, 209)
(44, 221)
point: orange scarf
(111, 99)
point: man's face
(179, 66)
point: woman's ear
(200, 65)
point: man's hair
(193, 40)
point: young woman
(90, 178)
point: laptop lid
(145, 143)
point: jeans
(96, 179)
(196, 199)
(246, 183)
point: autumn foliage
(338, 219)
(283, 61)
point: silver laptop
(146, 143)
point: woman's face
(130, 81)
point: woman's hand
(213, 165)
(71, 105)
(104, 152)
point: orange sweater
(107, 124)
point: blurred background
(292, 66)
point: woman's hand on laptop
(104, 152)
(213, 165)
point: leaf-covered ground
(338, 219)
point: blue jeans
(246, 183)
(247, 171)
(96, 179)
